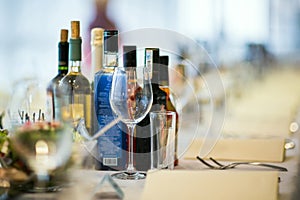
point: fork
(220, 166)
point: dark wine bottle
(143, 132)
(164, 85)
(63, 63)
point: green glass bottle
(63, 63)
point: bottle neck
(63, 57)
(164, 75)
(75, 49)
(75, 66)
(97, 58)
(62, 69)
(155, 75)
(75, 55)
(110, 59)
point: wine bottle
(112, 145)
(143, 131)
(164, 85)
(75, 85)
(63, 63)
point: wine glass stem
(130, 167)
(42, 179)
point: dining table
(266, 110)
(85, 181)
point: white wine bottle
(75, 85)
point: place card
(246, 149)
(211, 184)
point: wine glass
(42, 143)
(131, 100)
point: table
(86, 180)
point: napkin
(244, 149)
(211, 184)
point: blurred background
(237, 34)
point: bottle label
(149, 62)
(110, 161)
(77, 111)
(81, 108)
(112, 144)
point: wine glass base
(130, 175)
(45, 189)
(29, 188)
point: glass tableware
(42, 143)
(131, 100)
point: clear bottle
(75, 85)
(143, 131)
(97, 64)
(63, 63)
(97, 49)
(112, 145)
(164, 85)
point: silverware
(218, 165)
(289, 144)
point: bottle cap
(63, 35)
(129, 56)
(111, 40)
(164, 60)
(75, 41)
(97, 36)
(75, 29)
(164, 73)
(63, 50)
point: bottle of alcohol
(63, 63)
(112, 145)
(97, 49)
(143, 132)
(164, 85)
(97, 65)
(75, 85)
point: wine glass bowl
(131, 94)
(131, 100)
(42, 143)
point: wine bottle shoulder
(76, 82)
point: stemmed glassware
(43, 144)
(131, 100)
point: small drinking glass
(163, 125)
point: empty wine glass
(42, 143)
(131, 100)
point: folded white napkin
(211, 184)
(264, 150)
